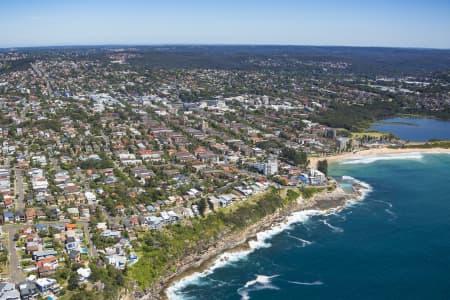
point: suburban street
(15, 275)
(19, 190)
(92, 250)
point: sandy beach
(374, 152)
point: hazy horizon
(399, 24)
(212, 45)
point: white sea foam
(262, 279)
(307, 283)
(304, 242)
(296, 217)
(364, 190)
(174, 291)
(384, 202)
(391, 213)
(333, 228)
(261, 282)
(261, 241)
(373, 158)
(359, 182)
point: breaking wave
(307, 283)
(261, 282)
(297, 217)
(374, 158)
(174, 292)
(304, 242)
(333, 228)
(384, 202)
(391, 213)
(365, 187)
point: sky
(390, 23)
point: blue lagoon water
(395, 244)
(415, 130)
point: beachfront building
(271, 167)
(342, 143)
(316, 177)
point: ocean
(394, 244)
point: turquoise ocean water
(394, 244)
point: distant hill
(360, 60)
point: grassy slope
(428, 145)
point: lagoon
(414, 129)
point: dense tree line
(297, 157)
(95, 164)
(322, 166)
(356, 117)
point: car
(18, 266)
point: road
(92, 250)
(15, 275)
(18, 188)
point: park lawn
(428, 145)
(373, 134)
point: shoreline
(322, 202)
(375, 152)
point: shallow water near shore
(392, 245)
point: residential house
(8, 217)
(30, 214)
(47, 284)
(8, 291)
(28, 290)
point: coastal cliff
(207, 252)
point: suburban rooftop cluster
(97, 149)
